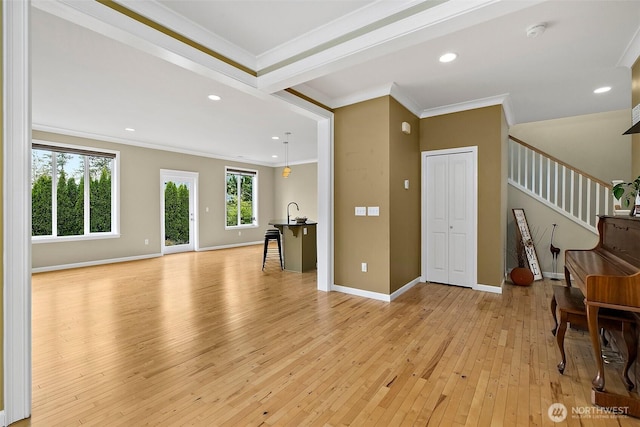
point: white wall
(541, 218)
(592, 143)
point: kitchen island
(299, 244)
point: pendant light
(287, 170)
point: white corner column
(325, 204)
(16, 210)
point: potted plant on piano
(629, 195)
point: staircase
(563, 188)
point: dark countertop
(283, 222)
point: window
(241, 197)
(62, 205)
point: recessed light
(214, 97)
(602, 89)
(448, 57)
(275, 137)
(275, 156)
(130, 129)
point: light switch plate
(361, 211)
(373, 211)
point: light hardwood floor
(209, 339)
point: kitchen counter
(282, 222)
(299, 244)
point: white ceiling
(97, 71)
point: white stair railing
(575, 194)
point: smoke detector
(536, 30)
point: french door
(449, 217)
(178, 211)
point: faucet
(291, 203)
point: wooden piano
(608, 276)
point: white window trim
(254, 197)
(115, 198)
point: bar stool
(272, 234)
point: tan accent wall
(361, 176)
(373, 158)
(140, 205)
(300, 187)
(404, 220)
(592, 143)
(483, 128)
(635, 100)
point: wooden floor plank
(209, 339)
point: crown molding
(632, 52)
(141, 144)
(371, 93)
(503, 100)
(405, 100)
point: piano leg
(562, 328)
(554, 306)
(594, 333)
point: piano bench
(570, 303)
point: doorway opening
(178, 213)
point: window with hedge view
(241, 197)
(62, 202)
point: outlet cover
(364, 267)
(361, 211)
(373, 211)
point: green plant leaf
(618, 190)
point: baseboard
(553, 276)
(376, 295)
(92, 263)
(405, 288)
(233, 245)
(361, 293)
(488, 288)
(132, 258)
(2, 420)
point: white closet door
(450, 252)
(460, 220)
(437, 219)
